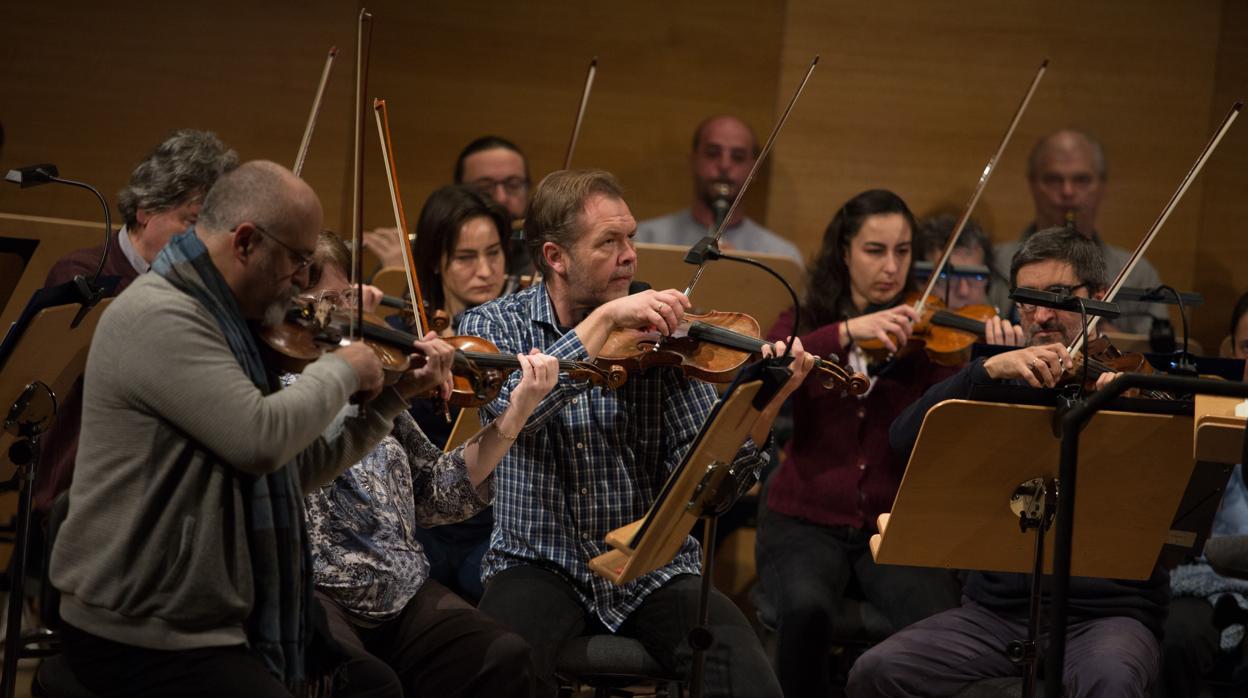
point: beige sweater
(154, 551)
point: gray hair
(1062, 244)
(1099, 163)
(258, 192)
(181, 169)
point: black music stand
(43, 353)
(703, 486)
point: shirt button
(585, 536)
(862, 412)
(584, 490)
(862, 465)
(580, 445)
(573, 401)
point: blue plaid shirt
(588, 461)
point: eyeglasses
(512, 185)
(1056, 289)
(301, 260)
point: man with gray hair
(162, 199)
(1068, 176)
(183, 561)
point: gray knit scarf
(278, 628)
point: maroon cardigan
(839, 469)
(60, 446)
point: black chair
(608, 663)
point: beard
(1035, 336)
(275, 312)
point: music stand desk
(953, 507)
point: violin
(946, 335)
(315, 325)
(711, 347)
(1103, 357)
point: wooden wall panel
(915, 96)
(92, 87)
(909, 95)
(1221, 264)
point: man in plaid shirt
(591, 460)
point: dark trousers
(438, 646)
(110, 668)
(1105, 657)
(805, 568)
(542, 607)
(1189, 650)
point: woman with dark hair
(839, 474)
(461, 256)
(460, 250)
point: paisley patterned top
(364, 555)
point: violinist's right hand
(661, 310)
(367, 368)
(892, 326)
(1040, 367)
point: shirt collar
(132, 255)
(542, 308)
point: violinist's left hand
(801, 366)
(435, 375)
(998, 330)
(1105, 378)
(802, 363)
(372, 298)
(538, 374)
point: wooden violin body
(637, 351)
(946, 335)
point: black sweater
(1008, 593)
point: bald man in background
(1068, 176)
(724, 151)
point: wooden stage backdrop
(911, 96)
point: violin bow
(979, 188)
(364, 37)
(580, 112)
(400, 218)
(302, 155)
(758, 162)
(1166, 210)
(576, 129)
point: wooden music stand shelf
(649, 543)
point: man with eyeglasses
(497, 168)
(1113, 637)
(1068, 176)
(724, 151)
(967, 279)
(182, 563)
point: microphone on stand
(46, 173)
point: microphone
(721, 201)
(637, 287)
(33, 175)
